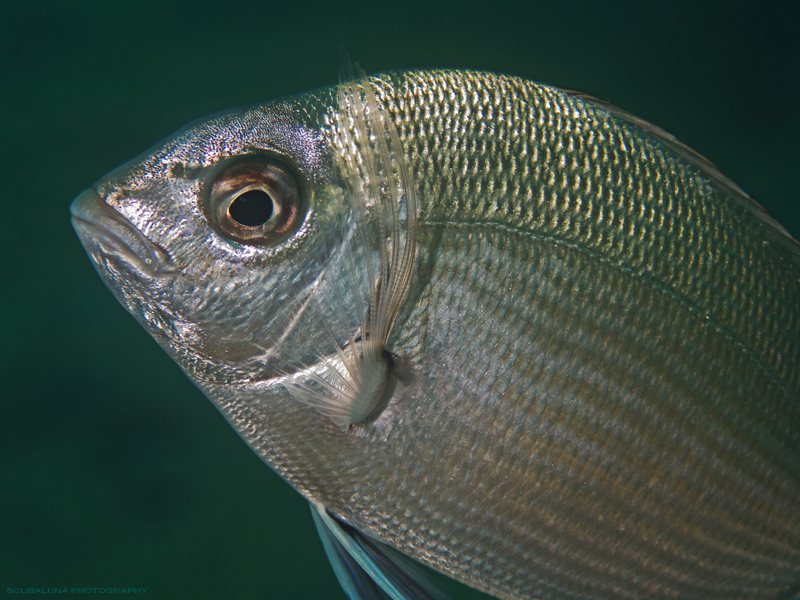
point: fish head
(213, 239)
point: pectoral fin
(359, 294)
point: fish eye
(254, 201)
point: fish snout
(108, 236)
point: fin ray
(357, 297)
(395, 575)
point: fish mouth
(107, 235)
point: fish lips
(111, 240)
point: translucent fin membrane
(367, 569)
(358, 295)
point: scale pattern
(605, 340)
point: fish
(501, 329)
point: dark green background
(114, 470)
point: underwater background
(114, 470)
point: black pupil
(251, 209)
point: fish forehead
(287, 126)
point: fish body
(511, 331)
